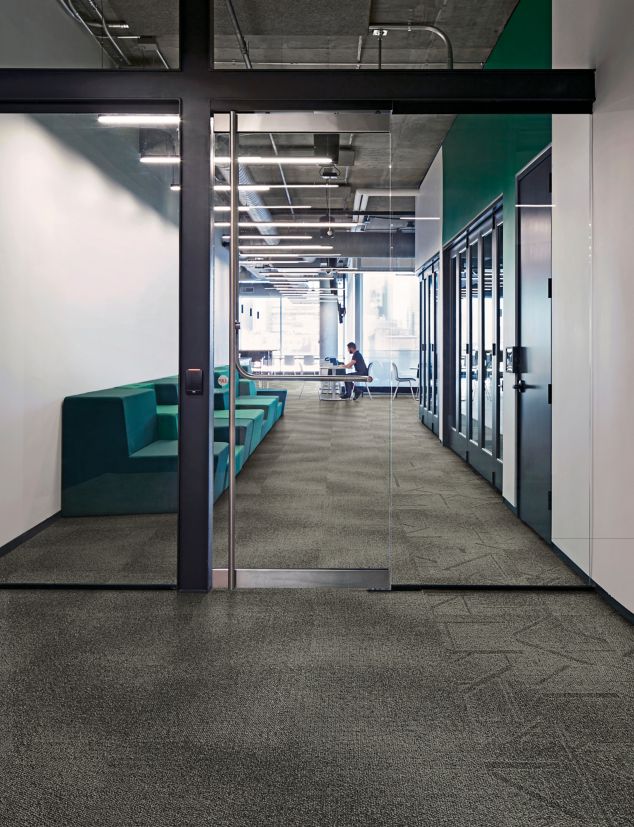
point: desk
(331, 391)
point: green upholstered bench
(114, 460)
(247, 387)
(221, 466)
(269, 405)
(166, 389)
(167, 416)
(244, 433)
(256, 417)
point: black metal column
(196, 316)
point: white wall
(89, 299)
(428, 244)
(589, 33)
(571, 335)
(429, 205)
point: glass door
(476, 273)
(307, 298)
(429, 282)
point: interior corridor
(318, 494)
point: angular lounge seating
(114, 460)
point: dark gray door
(533, 383)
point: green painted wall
(483, 153)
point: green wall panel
(526, 42)
(483, 153)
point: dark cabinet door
(533, 383)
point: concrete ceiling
(298, 34)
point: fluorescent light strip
(287, 247)
(160, 159)
(253, 258)
(321, 225)
(274, 159)
(139, 120)
(244, 187)
(305, 271)
(286, 207)
(260, 237)
(175, 187)
(419, 218)
(264, 187)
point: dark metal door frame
(198, 90)
(429, 310)
(467, 445)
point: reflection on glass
(463, 342)
(487, 295)
(91, 246)
(500, 320)
(475, 343)
(429, 372)
(89, 34)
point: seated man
(360, 368)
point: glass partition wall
(89, 285)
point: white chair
(289, 365)
(309, 362)
(398, 380)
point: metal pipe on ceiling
(106, 31)
(416, 27)
(242, 44)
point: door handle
(520, 386)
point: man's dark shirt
(360, 366)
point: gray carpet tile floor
(335, 484)
(315, 708)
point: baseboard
(27, 535)
(512, 508)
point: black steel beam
(402, 91)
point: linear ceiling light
(255, 257)
(175, 187)
(258, 237)
(309, 271)
(322, 225)
(286, 207)
(139, 120)
(264, 187)
(274, 159)
(160, 159)
(419, 218)
(244, 187)
(287, 247)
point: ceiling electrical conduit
(417, 27)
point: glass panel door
(429, 356)
(322, 306)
